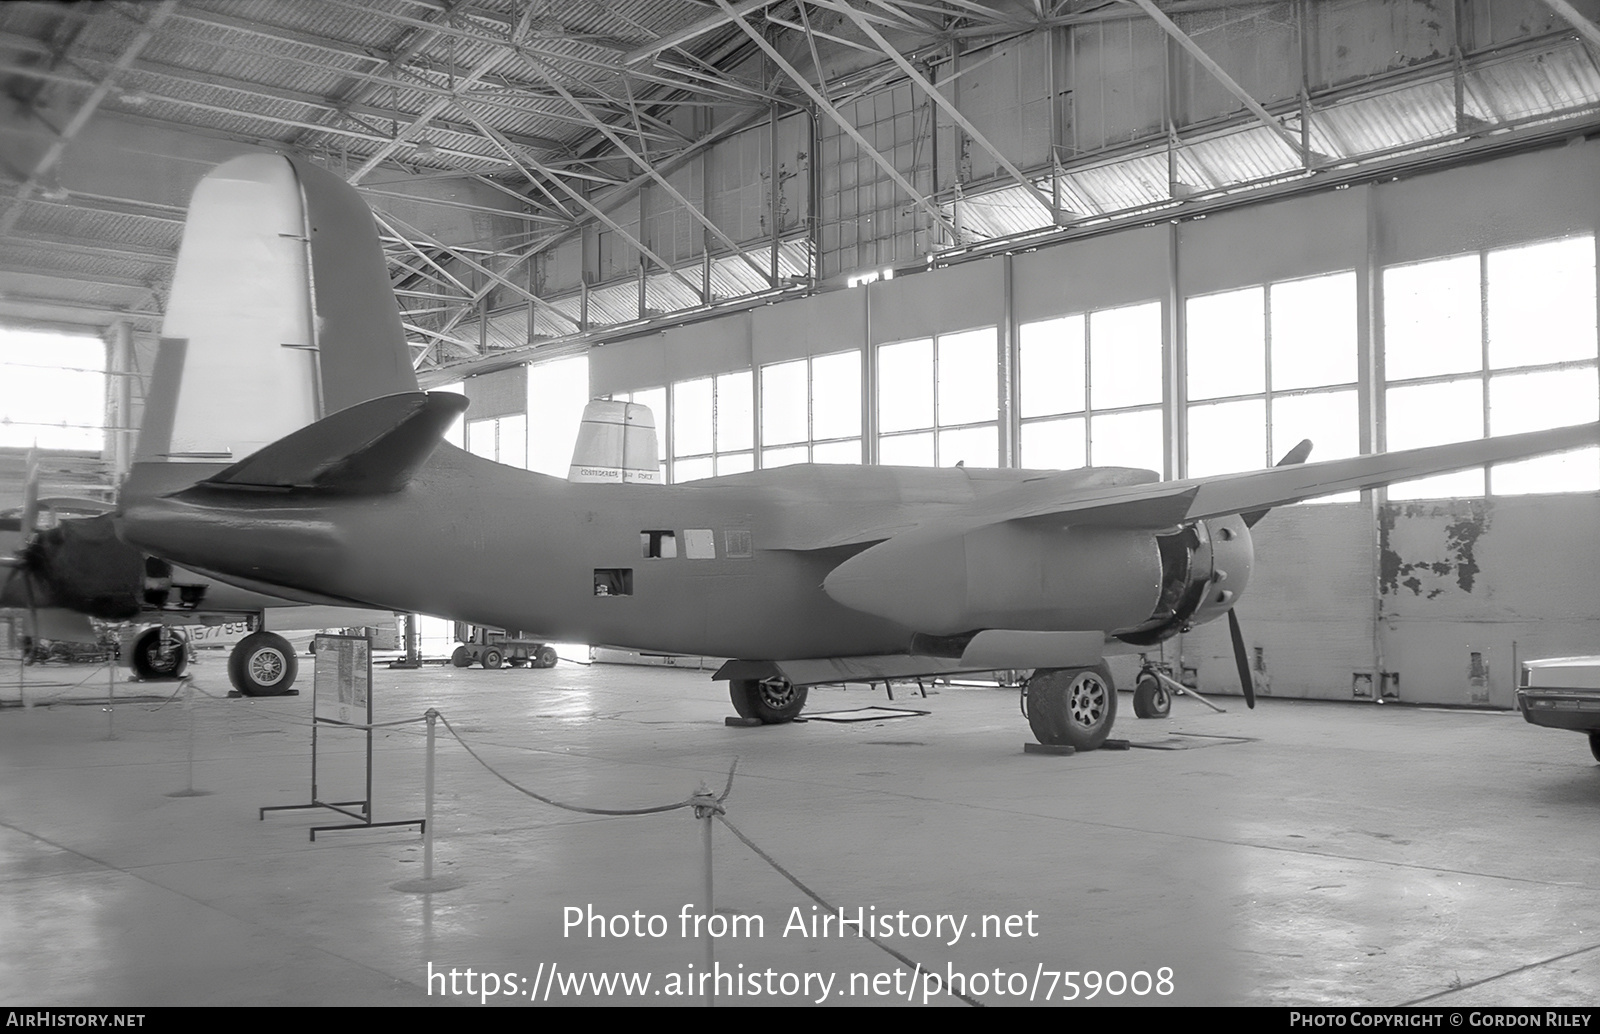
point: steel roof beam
(843, 123)
(1228, 82)
(85, 112)
(1586, 28)
(938, 97)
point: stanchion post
(427, 791)
(111, 694)
(705, 812)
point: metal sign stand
(341, 695)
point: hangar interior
(1180, 235)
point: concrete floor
(1303, 853)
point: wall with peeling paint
(1415, 592)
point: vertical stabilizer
(616, 445)
(281, 313)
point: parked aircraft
(71, 567)
(805, 575)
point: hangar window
(502, 439)
(1268, 365)
(1491, 343)
(811, 410)
(713, 426)
(1090, 389)
(655, 399)
(939, 401)
(52, 391)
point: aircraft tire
(263, 665)
(545, 657)
(147, 661)
(774, 701)
(491, 658)
(461, 658)
(1073, 707)
(1151, 699)
(1594, 744)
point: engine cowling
(1205, 566)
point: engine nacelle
(1205, 566)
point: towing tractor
(493, 647)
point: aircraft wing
(1169, 503)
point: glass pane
(514, 440)
(1128, 440)
(1050, 376)
(1541, 303)
(481, 435)
(1533, 402)
(1226, 335)
(736, 463)
(1054, 444)
(692, 470)
(836, 396)
(969, 373)
(1225, 437)
(656, 400)
(691, 417)
(1434, 414)
(906, 450)
(60, 408)
(783, 403)
(970, 446)
(905, 386)
(1125, 356)
(561, 391)
(1331, 419)
(1314, 332)
(783, 457)
(837, 452)
(735, 411)
(1432, 318)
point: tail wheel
(1074, 707)
(1151, 699)
(461, 658)
(263, 665)
(773, 701)
(491, 658)
(545, 657)
(159, 653)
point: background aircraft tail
(281, 313)
(616, 445)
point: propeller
(1241, 654)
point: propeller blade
(1242, 658)
(1294, 456)
(30, 495)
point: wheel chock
(734, 721)
(1061, 749)
(1115, 745)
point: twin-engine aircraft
(805, 575)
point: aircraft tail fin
(616, 445)
(281, 312)
(368, 449)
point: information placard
(342, 685)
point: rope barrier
(818, 898)
(696, 801)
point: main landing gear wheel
(1151, 699)
(1594, 745)
(461, 658)
(263, 665)
(1074, 707)
(774, 701)
(159, 653)
(491, 658)
(545, 657)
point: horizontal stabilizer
(368, 449)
